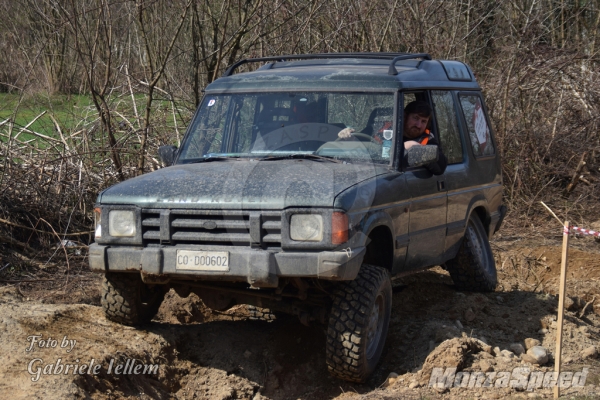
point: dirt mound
(175, 310)
(453, 353)
(42, 344)
(201, 353)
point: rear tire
(474, 269)
(358, 324)
(128, 300)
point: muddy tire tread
(465, 270)
(261, 314)
(349, 316)
(121, 300)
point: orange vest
(425, 140)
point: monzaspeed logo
(521, 378)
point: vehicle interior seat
(378, 119)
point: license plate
(202, 260)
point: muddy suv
(264, 204)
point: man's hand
(345, 133)
(408, 144)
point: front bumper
(260, 268)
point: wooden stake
(561, 304)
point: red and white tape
(583, 231)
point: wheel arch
(379, 241)
(480, 208)
(484, 216)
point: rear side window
(477, 125)
(448, 126)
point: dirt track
(205, 354)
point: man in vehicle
(416, 118)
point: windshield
(268, 125)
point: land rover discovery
(264, 204)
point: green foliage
(76, 112)
(68, 110)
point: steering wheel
(360, 135)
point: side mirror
(167, 154)
(417, 156)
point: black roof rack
(395, 57)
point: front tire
(261, 314)
(358, 324)
(129, 301)
(474, 269)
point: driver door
(428, 206)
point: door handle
(441, 185)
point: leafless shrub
(49, 181)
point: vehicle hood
(242, 184)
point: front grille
(240, 228)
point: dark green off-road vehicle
(264, 205)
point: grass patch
(68, 110)
(75, 112)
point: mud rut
(226, 355)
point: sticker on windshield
(211, 102)
(385, 152)
(387, 134)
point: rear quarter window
(477, 125)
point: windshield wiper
(304, 156)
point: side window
(477, 125)
(409, 97)
(448, 126)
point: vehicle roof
(347, 71)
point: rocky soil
(201, 353)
